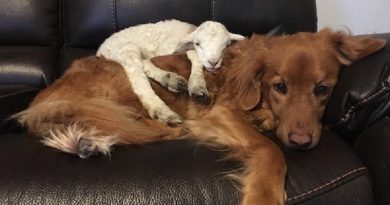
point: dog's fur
(93, 107)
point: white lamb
(134, 46)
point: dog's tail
(89, 126)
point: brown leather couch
(38, 40)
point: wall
(359, 16)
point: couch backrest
(39, 38)
(29, 23)
(88, 22)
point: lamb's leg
(197, 84)
(170, 80)
(130, 58)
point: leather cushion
(373, 147)
(13, 99)
(174, 172)
(362, 94)
(29, 22)
(23, 65)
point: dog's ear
(245, 83)
(351, 48)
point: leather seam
(329, 183)
(64, 25)
(113, 15)
(383, 91)
(17, 93)
(212, 9)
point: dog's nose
(300, 141)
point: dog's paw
(175, 83)
(87, 148)
(198, 91)
(267, 120)
(268, 124)
(166, 116)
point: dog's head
(294, 75)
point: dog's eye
(321, 90)
(197, 44)
(280, 88)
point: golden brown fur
(307, 65)
(92, 106)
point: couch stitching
(327, 184)
(364, 101)
(212, 9)
(113, 15)
(17, 93)
(64, 26)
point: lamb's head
(209, 40)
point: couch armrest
(362, 95)
(373, 147)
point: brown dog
(92, 106)
(298, 74)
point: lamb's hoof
(201, 98)
(167, 117)
(176, 83)
(200, 95)
(87, 149)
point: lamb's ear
(185, 44)
(236, 37)
(351, 48)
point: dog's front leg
(265, 167)
(263, 179)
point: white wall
(359, 16)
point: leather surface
(100, 18)
(39, 39)
(373, 147)
(175, 172)
(29, 22)
(71, 54)
(87, 23)
(25, 65)
(260, 16)
(327, 176)
(362, 94)
(13, 99)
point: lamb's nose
(213, 63)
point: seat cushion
(373, 147)
(174, 172)
(13, 99)
(28, 65)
